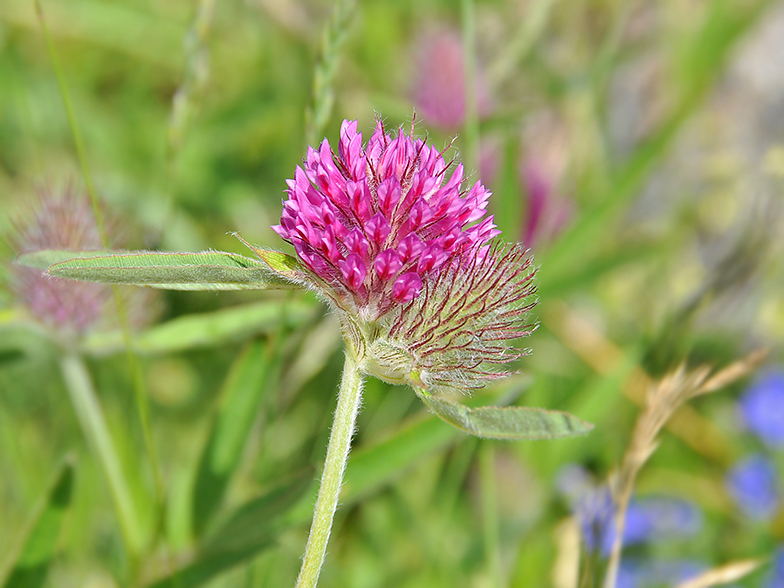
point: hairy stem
(349, 399)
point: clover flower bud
(71, 308)
(407, 257)
(63, 221)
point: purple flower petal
(406, 287)
(387, 264)
(354, 271)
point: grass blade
(249, 378)
(210, 328)
(39, 543)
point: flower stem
(88, 411)
(349, 398)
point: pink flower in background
(439, 81)
(60, 222)
(388, 234)
(547, 211)
(541, 170)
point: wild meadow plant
(387, 235)
(582, 120)
(69, 311)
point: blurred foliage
(658, 129)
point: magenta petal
(410, 248)
(406, 287)
(378, 229)
(431, 258)
(356, 242)
(389, 195)
(354, 271)
(387, 264)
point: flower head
(65, 220)
(547, 211)
(374, 222)
(762, 408)
(387, 233)
(60, 221)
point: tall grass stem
(490, 522)
(88, 412)
(319, 111)
(140, 394)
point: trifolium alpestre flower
(390, 236)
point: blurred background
(636, 146)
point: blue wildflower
(648, 519)
(653, 519)
(753, 485)
(762, 408)
(776, 579)
(636, 573)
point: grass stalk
(140, 394)
(88, 412)
(318, 113)
(490, 522)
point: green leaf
(252, 528)
(45, 258)
(511, 422)
(38, 544)
(248, 380)
(207, 270)
(209, 329)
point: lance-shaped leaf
(207, 270)
(206, 329)
(38, 544)
(249, 378)
(510, 422)
(253, 527)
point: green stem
(318, 112)
(349, 399)
(140, 394)
(88, 411)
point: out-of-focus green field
(653, 131)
